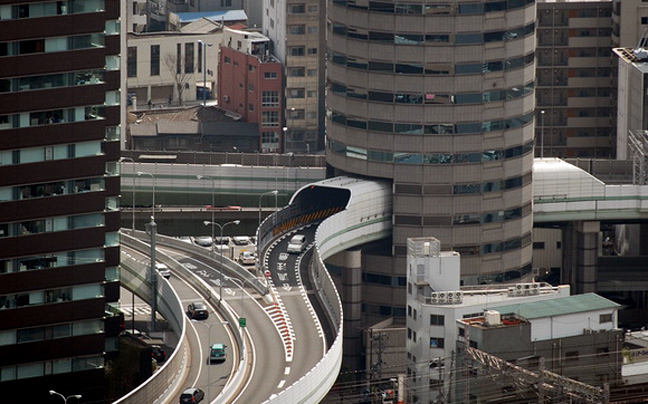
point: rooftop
(559, 306)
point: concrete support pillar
(350, 263)
(587, 235)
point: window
(270, 118)
(227, 60)
(155, 60)
(312, 51)
(297, 50)
(251, 87)
(226, 3)
(297, 72)
(268, 75)
(132, 61)
(270, 99)
(571, 356)
(189, 57)
(605, 318)
(605, 351)
(437, 342)
(538, 245)
(178, 59)
(312, 30)
(436, 319)
(251, 68)
(251, 107)
(297, 8)
(312, 72)
(297, 29)
(295, 93)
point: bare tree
(178, 70)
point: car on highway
(241, 240)
(203, 241)
(197, 311)
(217, 352)
(247, 258)
(192, 395)
(163, 270)
(297, 244)
(158, 353)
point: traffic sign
(242, 322)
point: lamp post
(274, 192)
(121, 160)
(206, 177)
(220, 284)
(204, 48)
(240, 284)
(152, 230)
(77, 396)
(140, 173)
(285, 133)
(542, 115)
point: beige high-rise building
(437, 97)
(296, 29)
(576, 80)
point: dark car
(158, 353)
(192, 395)
(197, 311)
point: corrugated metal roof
(223, 15)
(560, 306)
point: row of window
(31, 119)
(51, 296)
(491, 217)
(54, 44)
(50, 8)
(431, 68)
(71, 79)
(58, 366)
(53, 188)
(429, 158)
(402, 7)
(400, 38)
(431, 98)
(53, 224)
(66, 330)
(432, 129)
(51, 260)
(48, 153)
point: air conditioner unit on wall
(226, 98)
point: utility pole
(151, 229)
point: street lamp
(204, 48)
(77, 396)
(139, 173)
(152, 230)
(206, 177)
(275, 192)
(240, 283)
(542, 115)
(121, 160)
(220, 285)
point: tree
(178, 69)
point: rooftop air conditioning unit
(492, 318)
(511, 291)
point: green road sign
(242, 321)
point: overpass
(350, 212)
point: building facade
(297, 32)
(439, 99)
(251, 85)
(59, 205)
(435, 301)
(575, 79)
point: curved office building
(438, 96)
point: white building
(435, 301)
(167, 67)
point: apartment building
(173, 68)
(523, 319)
(297, 31)
(59, 196)
(576, 80)
(251, 85)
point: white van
(297, 244)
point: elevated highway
(344, 212)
